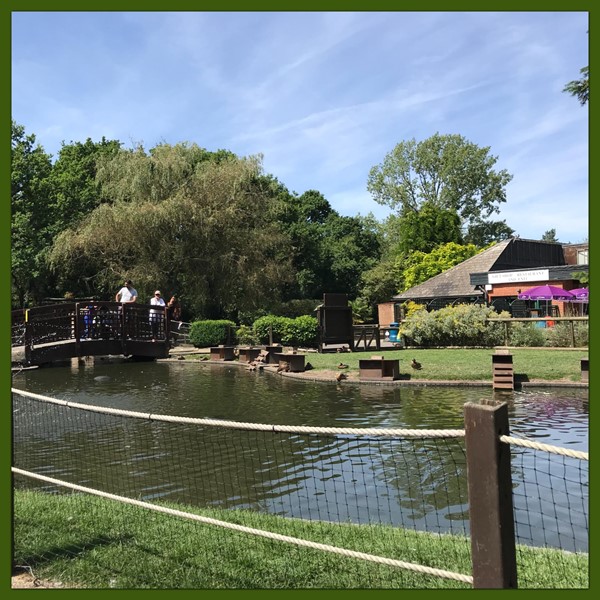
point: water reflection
(419, 484)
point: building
(496, 276)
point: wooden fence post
(490, 496)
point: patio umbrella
(546, 292)
(581, 295)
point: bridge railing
(108, 325)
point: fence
(420, 506)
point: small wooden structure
(334, 319)
(293, 359)
(222, 353)
(379, 368)
(366, 335)
(503, 377)
(585, 369)
(248, 354)
(271, 352)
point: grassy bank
(89, 542)
(458, 364)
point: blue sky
(323, 96)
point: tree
(446, 171)
(580, 88)
(421, 266)
(31, 216)
(550, 236)
(428, 227)
(483, 233)
(75, 191)
(182, 222)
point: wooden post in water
(490, 496)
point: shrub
(301, 331)
(560, 335)
(204, 334)
(525, 334)
(245, 335)
(461, 325)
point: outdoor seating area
(248, 354)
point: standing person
(127, 295)
(156, 315)
(174, 307)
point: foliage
(582, 277)
(483, 233)
(245, 335)
(379, 284)
(205, 334)
(427, 227)
(525, 334)
(301, 331)
(559, 336)
(461, 325)
(550, 236)
(31, 217)
(446, 171)
(580, 88)
(182, 222)
(410, 308)
(421, 266)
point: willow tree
(182, 220)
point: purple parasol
(581, 295)
(546, 292)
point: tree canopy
(445, 171)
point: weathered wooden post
(490, 496)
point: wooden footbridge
(58, 332)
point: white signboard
(514, 277)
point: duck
(340, 377)
(342, 366)
(416, 365)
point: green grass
(89, 542)
(457, 364)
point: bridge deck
(52, 333)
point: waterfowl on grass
(416, 365)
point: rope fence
(379, 496)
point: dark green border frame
(9, 6)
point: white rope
(409, 433)
(259, 532)
(544, 447)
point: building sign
(517, 277)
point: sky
(322, 96)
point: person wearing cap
(156, 315)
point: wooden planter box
(296, 361)
(222, 353)
(379, 368)
(248, 354)
(272, 351)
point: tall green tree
(75, 191)
(446, 171)
(31, 217)
(550, 236)
(182, 222)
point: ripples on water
(414, 483)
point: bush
(204, 334)
(245, 335)
(461, 325)
(560, 335)
(301, 331)
(525, 334)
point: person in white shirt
(156, 315)
(127, 293)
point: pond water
(420, 483)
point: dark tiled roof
(455, 282)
